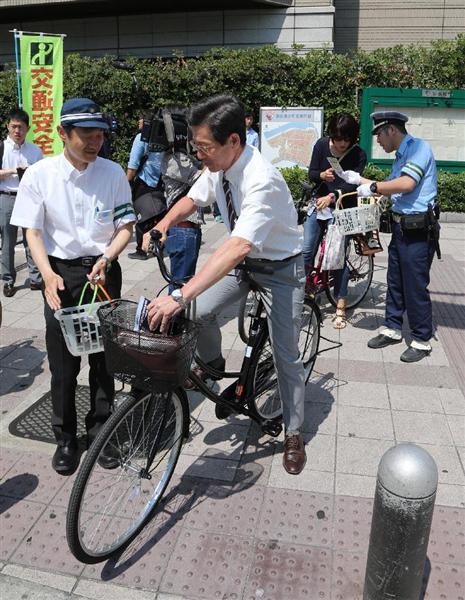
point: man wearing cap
(412, 186)
(78, 213)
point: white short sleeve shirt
(78, 212)
(17, 156)
(267, 217)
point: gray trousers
(9, 235)
(283, 302)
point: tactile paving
(283, 571)
(45, 546)
(208, 565)
(348, 575)
(16, 520)
(227, 509)
(447, 537)
(297, 517)
(352, 523)
(143, 563)
(32, 477)
(445, 582)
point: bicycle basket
(357, 220)
(145, 359)
(80, 326)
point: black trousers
(65, 367)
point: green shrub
(451, 186)
(260, 77)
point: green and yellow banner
(42, 89)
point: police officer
(79, 217)
(412, 186)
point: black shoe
(138, 255)
(66, 458)
(414, 355)
(9, 290)
(381, 341)
(109, 458)
(35, 286)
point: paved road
(236, 526)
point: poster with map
(287, 135)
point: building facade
(119, 28)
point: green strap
(86, 285)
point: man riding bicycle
(258, 210)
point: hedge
(259, 76)
(451, 186)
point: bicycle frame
(233, 397)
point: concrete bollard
(402, 514)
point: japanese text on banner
(42, 89)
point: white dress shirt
(267, 217)
(17, 156)
(78, 212)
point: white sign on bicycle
(287, 135)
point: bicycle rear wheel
(360, 276)
(264, 398)
(109, 505)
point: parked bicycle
(127, 469)
(358, 258)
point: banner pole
(18, 69)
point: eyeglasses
(202, 148)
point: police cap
(387, 117)
(82, 112)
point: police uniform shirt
(77, 211)
(266, 213)
(151, 170)
(415, 159)
(17, 156)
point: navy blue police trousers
(410, 258)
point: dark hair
(248, 113)
(223, 114)
(400, 126)
(18, 114)
(343, 125)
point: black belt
(83, 261)
(8, 193)
(270, 262)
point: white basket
(81, 328)
(358, 220)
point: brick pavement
(235, 525)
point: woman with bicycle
(341, 144)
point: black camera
(166, 130)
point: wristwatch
(177, 295)
(108, 262)
(374, 187)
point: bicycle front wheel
(264, 396)
(360, 276)
(124, 474)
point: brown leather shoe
(294, 457)
(218, 364)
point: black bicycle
(125, 472)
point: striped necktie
(232, 216)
